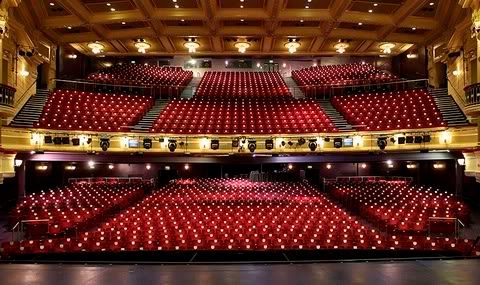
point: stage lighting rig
(104, 143)
(312, 144)
(382, 143)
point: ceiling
(266, 24)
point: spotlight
(401, 140)
(104, 144)
(147, 143)
(409, 139)
(312, 144)
(301, 141)
(326, 140)
(110, 166)
(418, 139)
(382, 142)
(290, 143)
(75, 141)
(172, 145)
(57, 140)
(252, 145)
(269, 144)
(329, 166)
(47, 139)
(186, 166)
(427, 138)
(91, 164)
(214, 144)
(337, 142)
(65, 140)
(235, 143)
(148, 166)
(392, 140)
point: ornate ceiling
(216, 25)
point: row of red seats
(92, 111)
(245, 84)
(407, 109)
(138, 74)
(75, 204)
(270, 115)
(345, 74)
(399, 206)
(231, 214)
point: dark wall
(411, 68)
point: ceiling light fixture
(341, 47)
(112, 9)
(191, 45)
(96, 47)
(370, 11)
(292, 45)
(387, 48)
(142, 46)
(242, 46)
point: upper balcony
(7, 101)
(472, 96)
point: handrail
(377, 84)
(34, 83)
(106, 179)
(461, 98)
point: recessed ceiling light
(183, 20)
(52, 4)
(123, 23)
(174, 1)
(241, 6)
(242, 0)
(241, 20)
(112, 9)
(414, 28)
(360, 24)
(375, 4)
(69, 27)
(108, 4)
(370, 11)
(301, 21)
(176, 6)
(309, 1)
(432, 3)
(306, 6)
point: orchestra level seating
(72, 206)
(143, 75)
(399, 206)
(407, 109)
(232, 214)
(243, 84)
(246, 115)
(93, 111)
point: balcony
(472, 96)
(7, 100)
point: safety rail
(402, 179)
(156, 91)
(326, 91)
(444, 226)
(472, 94)
(108, 180)
(7, 95)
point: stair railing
(458, 98)
(24, 98)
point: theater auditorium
(239, 141)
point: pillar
(21, 181)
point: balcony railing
(7, 95)
(472, 94)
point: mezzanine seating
(93, 111)
(399, 206)
(75, 204)
(259, 115)
(233, 214)
(242, 84)
(319, 79)
(143, 75)
(407, 109)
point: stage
(463, 271)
